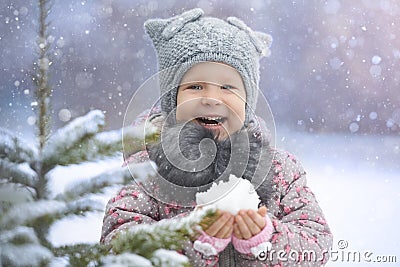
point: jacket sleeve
(130, 207)
(133, 206)
(301, 236)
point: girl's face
(213, 95)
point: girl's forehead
(212, 72)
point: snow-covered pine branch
(17, 173)
(14, 148)
(80, 141)
(114, 176)
(169, 258)
(83, 254)
(160, 258)
(14, 193)
(65, 146)
(125, 259)
(21, 247)
(157, 244)
(135, 138)
(28, 213)
(80, 206)
(168, 234)
(130, 139)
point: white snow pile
(231, 196)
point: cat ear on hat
(264, 43)
(167, 28)
(261, 41)
(154, 28)
(178, 22)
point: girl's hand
(222, 227)
(249, 223)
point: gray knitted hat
(187, 39)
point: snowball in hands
(231, 196)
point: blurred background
(332, 82)
(334, 65)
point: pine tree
(28, 208)
(157, 244)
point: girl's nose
(212, 95)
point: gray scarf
(181, 159)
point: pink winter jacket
(300, 235)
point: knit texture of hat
(187, 39)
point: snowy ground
(356, 180)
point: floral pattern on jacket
(300, 229)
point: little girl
(209, 83)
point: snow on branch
(169, 258)
(28, 212)
(19, 235)
(83, 254)
(102, 145)
(109, 138)
(67, 141)
(125, 259)
(114, 176)
(168, 234)
(161, 257)
(132, 137)
(13, 148)
(21, 247)
(17, 173)
(135, 138)
(80, 206)
(15, 193)
(25, 255)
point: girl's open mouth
(210, 122)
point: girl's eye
(227, 87)
(195, 87)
